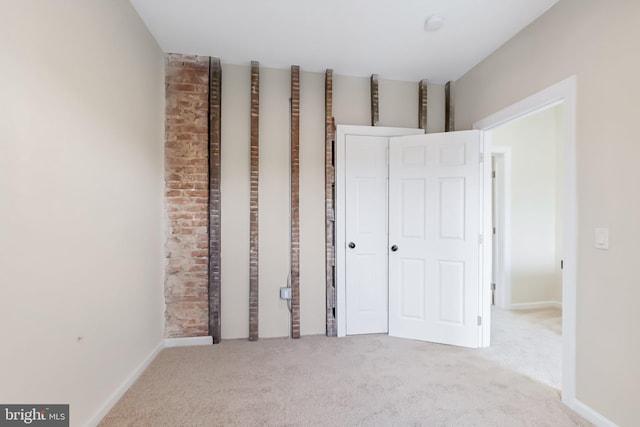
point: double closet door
(412, 236)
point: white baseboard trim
(188, 341)
(591, 415)
(531, 305)
(122, 389)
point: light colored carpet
(529, 342)
(369, 380)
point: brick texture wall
(186, 191)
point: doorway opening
(527, 219)
(563, 93)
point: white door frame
(340, 172)
(563, 91)
(503, 223)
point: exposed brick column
(375, 110)
(329, 180)
(449, 101)
(253, 207)
(422, 105)
(215, 207)
(295, 201)
(186, 192)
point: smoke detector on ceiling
(433, 23)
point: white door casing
(494, 234)
(501, 266)
(366, 234)
(435, 212)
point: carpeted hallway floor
(528, 342)
(370, 380)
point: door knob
(352, 245)
(394, 248)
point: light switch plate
(602, 238)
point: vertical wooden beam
(295, 201)
(375, 114)
(422, 105)
(215, 124)
(253, 208)
(449, 122)
(329, 182)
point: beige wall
(234, 187)
(274, 200)
(535, 216)
(597, 41)
(398, 107)
(81, 167)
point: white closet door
(366, 234)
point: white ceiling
(353, 37)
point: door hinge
(493, 174)
(481, 157)
(479, 320)
(493, 286)
(494, 230)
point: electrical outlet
(285, 293)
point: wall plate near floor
(285, 293)
(602, 238)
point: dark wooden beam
(375, 113)
(329, 180)
(215, 207)
(295, 201)
(422, 105)
(449, 118)
(254, 201)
